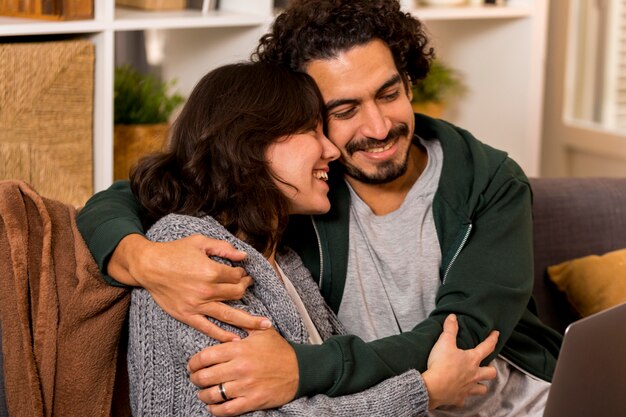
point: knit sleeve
(160, 346)
(400, 396)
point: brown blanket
(61, 324)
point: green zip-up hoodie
(482, 212)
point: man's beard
(387, 171)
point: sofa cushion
(592, 283)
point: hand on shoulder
(185, 282)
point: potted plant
(433, 93)
(143, 105)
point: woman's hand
(256, 373)
(454, 374)
(185, 282)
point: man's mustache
(367, 143)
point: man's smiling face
(369, 118)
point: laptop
(590, 375)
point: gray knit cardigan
(159, 346)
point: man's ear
(407, 86)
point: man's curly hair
(321, 29)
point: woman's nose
(329, 151)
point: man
(425, 221)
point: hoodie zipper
(319, 246)
(456, 254)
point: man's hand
(454, 374)
(185, 282)
(258, 372)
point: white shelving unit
(471, 12)
(500, 50)
(130, 19)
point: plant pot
(131, 142)
(433, 109)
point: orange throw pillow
(592, 283)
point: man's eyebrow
(395, 79)
(340, 102)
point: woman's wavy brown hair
(215, 162)
(321, 29)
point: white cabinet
(500, 50)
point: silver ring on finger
(222, 391)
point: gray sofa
(572, 218)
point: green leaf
(142, 98)
(440, 85)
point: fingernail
(453, 317)
(265, 324)
(188, 369)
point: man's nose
(375, 124)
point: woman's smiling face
(299, 163)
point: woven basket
(48, 9)
(46, 110)
(131, 142)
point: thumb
(450, 327)
(487, 346)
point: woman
(246, 152)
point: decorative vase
(131, 142)
(433, 109)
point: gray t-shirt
(393, 265)
(393, 278)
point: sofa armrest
(3, 402)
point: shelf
(472, 12)
(14, 26)
(129, 19)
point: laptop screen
(590, 375)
